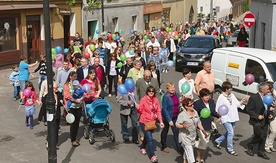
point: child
(29, 103)
(78, 92)
(42, 70)
(164, 56)
(15, 82)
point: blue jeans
(148, 140)
(41, 78)
(164, 134)
(124, 120)
(16, 90)
(229, 134)
(22, 85)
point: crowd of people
(97, 61)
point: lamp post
(102, 15)
(50, 101)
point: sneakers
(143, 151)
(14, 99)
(154, 159)
(166, 150)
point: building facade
(262, 34)
(22, 28)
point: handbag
(150, 125)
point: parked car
(195, 51)
(232, 41)
(234, 63)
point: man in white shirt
(154, 42)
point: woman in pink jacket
(149, 110)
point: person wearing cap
(75, 107)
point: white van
(233, 63)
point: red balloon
(86, 55)
(109, 36)
(249, 79)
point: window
(254, 68)
(115, 24)
(7, 33)
(134, 22)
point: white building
(225, 7)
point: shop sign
(152, 8)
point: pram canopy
(98, 111)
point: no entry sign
(249, 19)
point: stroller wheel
(86, 132)
(112, 135)
(91, 138)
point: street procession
(191, 88)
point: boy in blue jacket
(15, 82)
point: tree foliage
(90, 3)
(246, 6)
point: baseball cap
(76, 82)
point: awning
(25, 6)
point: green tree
(246, 6)
(91, 3)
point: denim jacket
(167, 107)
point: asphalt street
(20, 144)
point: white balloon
(70, 118)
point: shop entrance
(33, 38)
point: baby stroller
(97, 120)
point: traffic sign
(249, 19)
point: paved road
(20, 144)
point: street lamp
(50, 100)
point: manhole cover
(6, 138)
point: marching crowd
(143, 60)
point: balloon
(54, 51)
(77, 49)
(274, 85)
(27, 92)
(86, 55)
(167, 29)
(222, 37)
(58, 49)
(268, 99)
(223, 110)
(122, 89)
(120, 81)
(113, 36)
(158, 23)
(249, 79)
(174, 58)
(70, 118)
(131, 52)
(123, 57)
(92, 47)
(189, 31)
(130, 85)
(124, 51)
(105, 33)
(170, 29)
(185, 87)
(98, 31)
(169, 63)
(176, 37)
(120, 31)
(86, 87)
(120, 65)
(157, 33)
(156, 28)
(109, 36)
(117, 38)
(176, 23)
(66, 50)
(146, 37)
(205, 113)
(132, 31)
(53, 57)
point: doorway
(92, 26)
(33, 38)
(66, 34)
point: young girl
(29, 103)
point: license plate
(192, 63)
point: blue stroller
(97, 120)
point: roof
(265, 55)
(24, 6)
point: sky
(225, 6)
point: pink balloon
(249, 79)
(27, 92)
(124, 51)
(157, 33)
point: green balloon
(167, 29)
(159, 23)
(145, 37)
(189, 31)
(113, 36)
(120, 31)
(205, 113)
(77, 49)
(54, 51)
(131, 52)
(120, 65)
(123, 57)
(105, 33)
(170, 29)
(92, 47)
(185, 88)
(176, 23)
(53, 57)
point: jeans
(41, 78)
(74, 127)
(164, 134)
(22, 85)
(16, 90)
(124, 120)
(148, 140)
(229, 134)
